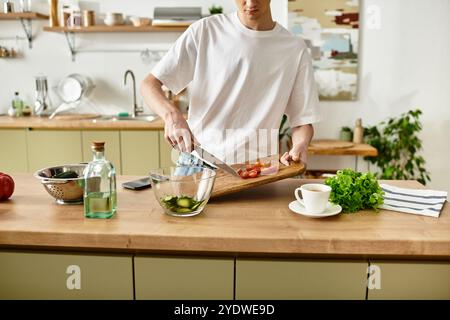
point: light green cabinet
(26, 275)
(183, 278)
(409, 280)
(112, 146)
(140, 152)
(300, 279)
(165, 152)
(13, 151)
(48, 148)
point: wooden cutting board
(80, 116)
(330, 144)
(227, 184)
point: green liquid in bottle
(100, 205)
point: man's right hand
(177, 132)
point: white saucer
(331, 210)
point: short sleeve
(303, 105)
(176, 69)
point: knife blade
(209, 158)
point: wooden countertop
(7, 122)
(255, 222)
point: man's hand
(296, 154)
(176, 129)
(301, 137)
(177, 132)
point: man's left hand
(296, 154)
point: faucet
(136, 109)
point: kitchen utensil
(210, 159)
(42, 101)
(223, 185)
(53, 16)
(8, 7)
(330, 210)
(74, 87)
(64, 190)
(182, 191)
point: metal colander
(64, 190)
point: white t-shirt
(243, 81)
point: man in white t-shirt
(245, 72)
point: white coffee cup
(315, 197)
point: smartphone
(139, 184)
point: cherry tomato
(239, 171)
(257, 169)
(253, 174)
(249, 167)
(244, 175)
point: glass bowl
(182, 191)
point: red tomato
(253, 174)
(239, 171)
(6, 186)
(257, 169)
(249, 167)
(244, 175)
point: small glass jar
(25, 5)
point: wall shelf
(111, 29)
(25, 19)
(69, 33)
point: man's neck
(264, 23)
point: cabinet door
(183, 278)
(26, 275)
(48, 148)
(112, 146)
(13, 151)
(140, 152)
(165, 152)
(300, 279)
(409, 280)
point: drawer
(409, 280)
(26, 275)
(300, 279)
(183, 278)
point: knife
(209, 158)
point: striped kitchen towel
(416, 201)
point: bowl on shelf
(182, 191)
(140, 21)
(113, 19)
(65, 183)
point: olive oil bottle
(100, 200)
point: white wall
(404, 64)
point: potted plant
(346, 134)
(398, 145)
(215, 9)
